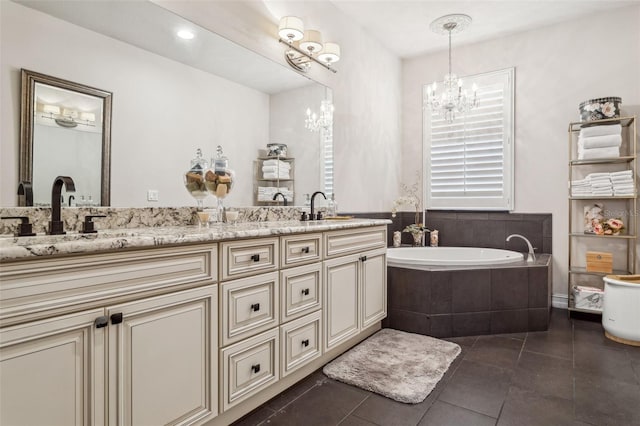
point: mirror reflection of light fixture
(324, 121)
(453, 98)
(51, 110)
(305, 47)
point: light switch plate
(152, 195)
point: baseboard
(560, 301)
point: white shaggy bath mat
(399, 365)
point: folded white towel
(275, 168)
(613, 129)
(623, 187)
(596, 153)
(597, 175)
(277, 163)
(599, 141)
(275, 176)
(621, 173)
(627, 181)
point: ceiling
(402, 26)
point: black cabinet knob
(255, 307)
(116, 318)
(305, 342)
(305, 292)
(101, 322)
(255, 257)
(363, 258)
(255, 368)
(305, 250)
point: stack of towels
(599, 142)
(266, 193)
(275, 169)
(604, 185)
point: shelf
(619, 197)
(622, 159)
(586, 311)
(577, 125)
(274, 180)
(276, 158)
(617, 237)
(581, 270)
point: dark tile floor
(568, 375)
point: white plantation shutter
(327, 153)
(470, 160)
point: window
(469, 161)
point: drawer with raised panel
(248, 257)
(300, 249)
(249, 306)
(300, 291)
(352, 241)
(248, 367)
(300, 342)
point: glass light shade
(88, 116)
(330, 52)
(312, 41)
(291, 28)
(51, 109)
(70, 113)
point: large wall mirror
(65, 131)
(170, 97)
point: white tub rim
(482, 257)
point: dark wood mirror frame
(29, 80)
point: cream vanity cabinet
(355, 282)
(120, 338)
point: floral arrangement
(608, 227)
(416, 228)
(409, 198)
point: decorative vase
(397, 239)
(417, 238)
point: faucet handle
(304, 217)
(24, 228)
(87, 225)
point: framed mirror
(65, 130)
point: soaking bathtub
(464, 291)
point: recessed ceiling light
(186, 34)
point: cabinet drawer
(40, 288)
(242, 258)
(300, 342)
(249, 305)
(300, 291)
(340, 243)
(248, 367)
(300, 249)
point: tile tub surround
(118, 218)
(446, 302)
(14, 248)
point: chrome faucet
(56, 226)
(313, 216)
(531, 257)
(283, 197)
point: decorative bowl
(600, 109)
(277, 150)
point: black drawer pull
(255, 307)
(363, 258)
(255, 368)
(305, 342)
(305, 250)
(305, 292)
(255, 258)
(101, 322)
(116, 318)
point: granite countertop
(23, 248)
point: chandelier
(453, 98)
(314, 123)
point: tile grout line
(354, 409)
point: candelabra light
(314, 123)
(305, 47)
(453, 98)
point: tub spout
(531, 257)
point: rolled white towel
(613, 129)
(596, 153)
(599, 141)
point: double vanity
(180, 325)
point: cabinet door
(52, 371)
(163, 359)
(341, 300)
(373, 287)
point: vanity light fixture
(325, 121)
(305, 47)
(453, 98)
(68, 117)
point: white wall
(366, 90)
(154, 134)
(557, 67)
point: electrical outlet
(152, 195)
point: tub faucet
(283, 197)
(313, 197)
(531, 257)
(56, 226)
